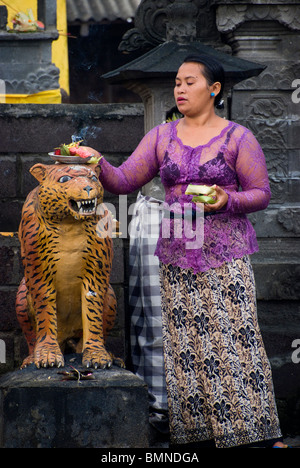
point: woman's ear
(216, 88)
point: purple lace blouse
(233, 160)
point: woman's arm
(253, 177)
(136, 171)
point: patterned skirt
(218, 375)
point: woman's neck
(196, 131)
(207, 119)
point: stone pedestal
(25, 57)
(40, 410)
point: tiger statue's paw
(48, 354)
(118, 361)
(27, 361)
(97, 358)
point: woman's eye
(64, 178)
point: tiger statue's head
(66, 190)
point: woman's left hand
(222, 199)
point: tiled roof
(168, 56)
(98, 10)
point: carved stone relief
(267, 107)
(230, 17)
(275, 76)
(157, 21)
(272, 135)
(290, 219)
(41, 79)
(277, 162)
(285, 284)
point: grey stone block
(112, 128)
(8, 177)
(39, 409)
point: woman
(218, 376)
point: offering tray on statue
(74, 154)
(69, 159)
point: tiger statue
(66, 247)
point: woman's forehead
(190, 70)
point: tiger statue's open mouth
(84, 207)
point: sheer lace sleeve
(136, 171)
(252, 174)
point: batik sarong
(218, 375)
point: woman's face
(192, 92)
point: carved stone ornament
(273, 77)
(290, 219)
(65, 297)
(277, 161)
(36, 81)
(267, 107)
(158, 21)
(286, 284)
(231, 15)
(272, 135)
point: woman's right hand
(222, 199)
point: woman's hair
(212, 71)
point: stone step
(39, 409)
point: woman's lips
(181, 99)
